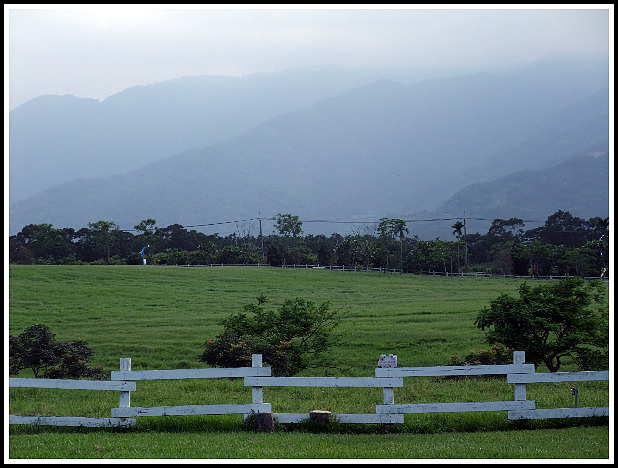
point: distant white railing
(519, 374)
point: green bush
(289, 338)
(37, 349)
(497, 355)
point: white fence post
(257, 396)
(388, 393)
(256, 392)
(125, 397)
(519, 357)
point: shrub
(289, 338)
(497, 355)
(37, 349)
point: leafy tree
(231, 254)
(149, 231)
(506, 230)
(33, 349)
(457, 227)
(103, 233)
(551, 321)
(42, 243)
(537, 256)
(324, 255)
(36, 348)
(290, 338)
(395, 228)
(366, 251)
(275, 253)
(345, 252)
(290, 228)
(562, 228)
(288, 225)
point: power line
(329, 221)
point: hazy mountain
(581, 128)
(579, 185)
(188, 188)
(55, 139)
(382, 149)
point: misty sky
(96, 52)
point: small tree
(551, 321)
(289, 338)
(290, 227)
(37, 349)
(103, 234)
(34, 349)
(393, 228)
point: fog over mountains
(325, 144)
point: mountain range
(327, 145)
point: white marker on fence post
(125, 397)
(388, 360)
(519, 357)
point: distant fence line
(472, 274)
(257, 377)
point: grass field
(161, 316)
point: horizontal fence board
(191, 410)
(455, 407)
(322, 382)
(216, 373)
(70, 421)
(443, 371)
(286, 418)
(559, 377)
(559, 413)
(73, 384)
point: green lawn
(161, 316)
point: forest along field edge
(564, 245)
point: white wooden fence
(587, 376)
(519, 374)
(126, 410)
(122, 386)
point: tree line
(564, 245)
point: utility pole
(465, 244)
(261, 237)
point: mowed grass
(160, 317)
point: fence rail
(70, 384)
(257, 377)
(559, 377)
(444, 371)
(469, 274)
(218, 373)
(322, 382)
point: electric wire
(328, 221)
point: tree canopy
(551, 321)
(565, 245)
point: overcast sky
(96, 51)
